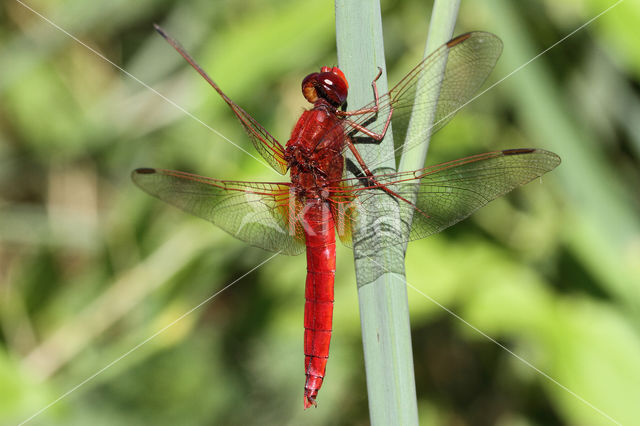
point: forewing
(270, 149)
(442, 195)
(469, 60)
(262, 214)
(265, 144)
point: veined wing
(270, 149)
(262, 214)
(442, 195)
(469, 60)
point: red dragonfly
(287, 217)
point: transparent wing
(442, 195)
(469, 59)
(270, 149)
(265, 144)
(262, 214)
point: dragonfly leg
(376, 136)
(374, 182)
(374, 108)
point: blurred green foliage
(91, 267)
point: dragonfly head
(329, 84)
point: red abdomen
(318, 309)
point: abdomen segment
(318, 309)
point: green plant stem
(384, 311)
(443, 21)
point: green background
(91, 267)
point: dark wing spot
(517, 151)
(145, 171)
(459, 39)
(160, 31)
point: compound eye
(309, 87)
(334, 86)
(329, 84)
(337, 71)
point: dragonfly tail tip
(309, 401)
